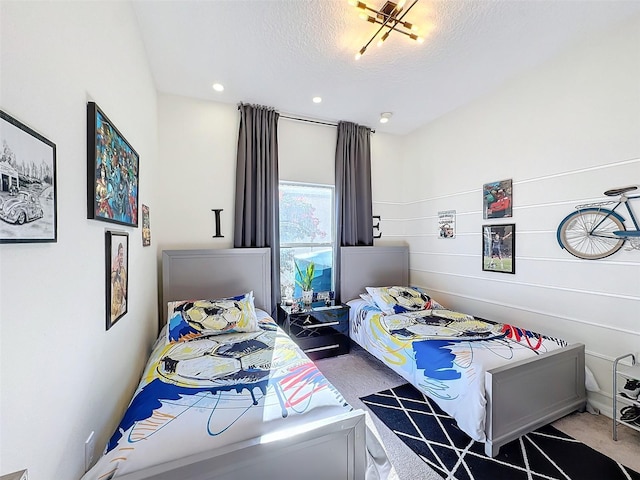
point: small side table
(319, 331)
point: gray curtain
(354, 213)
(256, 208)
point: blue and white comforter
(205, 393)
(445, 354)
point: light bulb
(410, 26)
(383, 38)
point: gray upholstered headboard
(209, 274)
(362, 267)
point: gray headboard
(209, 274)
(362, 267)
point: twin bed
(498, 381)
(226, 394)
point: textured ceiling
(281, 53)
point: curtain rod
(310, 120)
(319, 122)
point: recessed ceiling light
(218, 87)
(385, 116)
(317, 99)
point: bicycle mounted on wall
(593, 231)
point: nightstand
(319, 331)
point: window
(306, 236)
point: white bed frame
(521, 396)
(328, 448)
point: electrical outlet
(89, 448)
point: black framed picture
(498, 199)
(117, 276)
(28, 187)
(112, 172)
(499, 248)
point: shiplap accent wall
(564, 133)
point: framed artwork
(146, 226)
(117, 276)
(112, 172)
(28, 187)
(447, 224)
(497, 199)
(499, 248)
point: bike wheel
(576, 234)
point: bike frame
(623, 199)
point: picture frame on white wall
(117, 276)
(28, 185)
(146, 226)
(498, 199)
(499, 248)
(447, 224)
(112, 172)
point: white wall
(196, 172)
(197, 164)
(62, 374)
(388, 165)
(564, 133)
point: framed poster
(28, 187)
(117, 276)
(146, 226)
(112, 172)
(499, 248)
(447, 224)
(497, 199)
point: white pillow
(367, 298)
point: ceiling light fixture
(218, 87)
(385, 117)
(389, 17)
(317, 99)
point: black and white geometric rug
(546, 454)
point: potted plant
(306, 279)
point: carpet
(545, 454)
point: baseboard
(601, 403)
